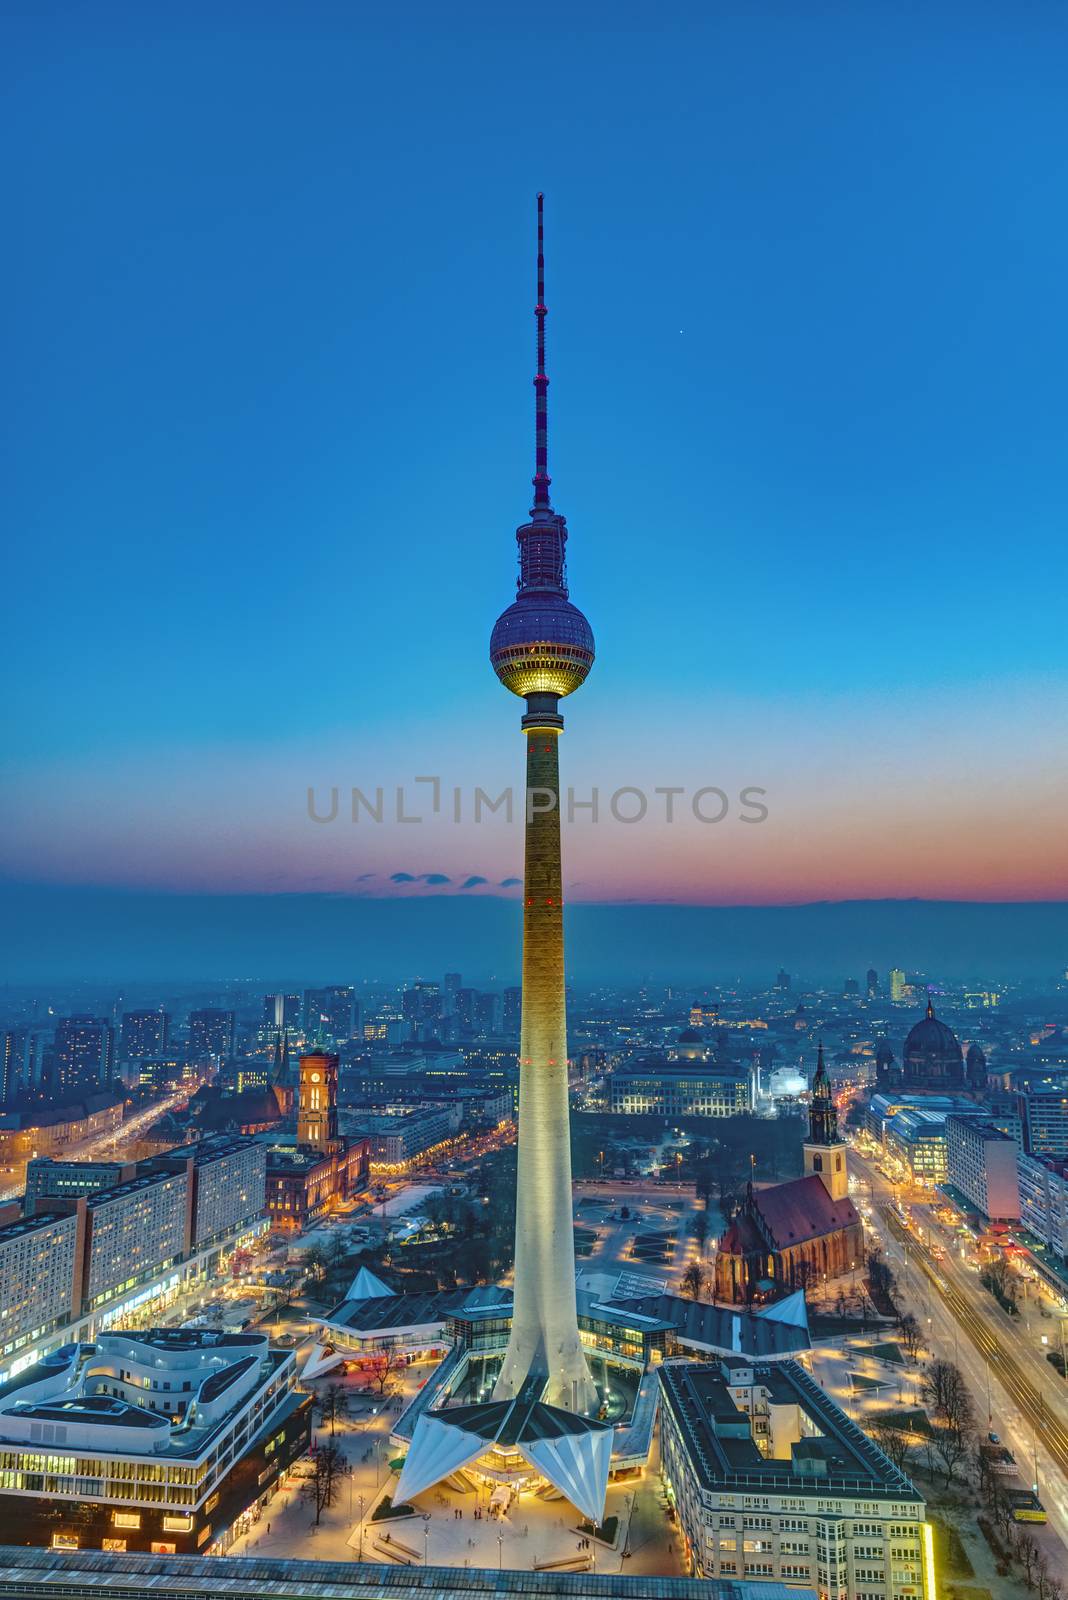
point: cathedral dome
(932, 1054)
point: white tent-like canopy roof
(573, 1452)
(365, 1286)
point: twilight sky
(269, 283)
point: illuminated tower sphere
(542, 649)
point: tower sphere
(542, 644)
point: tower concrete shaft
(545, 1337)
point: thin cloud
(509, 883)
(473, 882)
(402, 877)
(435, 877)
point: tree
(693, 1280)
(909, 1330)
(381, 1368)
(949, 1404)
(333, 1404)
(1002, 1282)
(699, 1228)
(321, 1488)
(1027, 1554)
(897, 1443)
(315, 1262)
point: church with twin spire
(788, 1236)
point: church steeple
(825, 1154)
(822, 1111)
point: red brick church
(794, 1234)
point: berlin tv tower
(542, 649)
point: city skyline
(822, 338)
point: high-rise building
(14, 1063)
(542, 649)
(84, 1053)
(449, 990)
(782, 980)
(421, 1003)
(211, 1033)
(280, 1011)
(333, 1012)
(490, 1013)
(899, 986)
(143, 1033)
(511, 1011)
(872, 982)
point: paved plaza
(535, 1533)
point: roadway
(1014, 1388)
(107, 1146)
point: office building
(164, 1226)
(1044, 1203)
(900, 990)
(1043, 1109)
(153, 1441)
(50, 1179)
(400, 1134)
(679, 1089)
(981, 1167)
(143, 1033)
(281, 1011)
(211, 1034)
(40, 1276)
(134, 1231)
(84, 1055)
(332, 1014)
(772, 1483)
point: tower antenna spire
(542, 480)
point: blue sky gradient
(269, 417)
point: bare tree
(321, 1489)
(381, 1368)
(897, 1443)
(333, 1404)
(1027, 1554)
(909, 1330)
(693, 1280)
(949, 1404)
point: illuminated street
(1014, 1388)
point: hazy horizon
(62, 934)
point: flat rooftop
(719, 1328)
(46, 1573)
(699, 1397)
(40, 1219)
